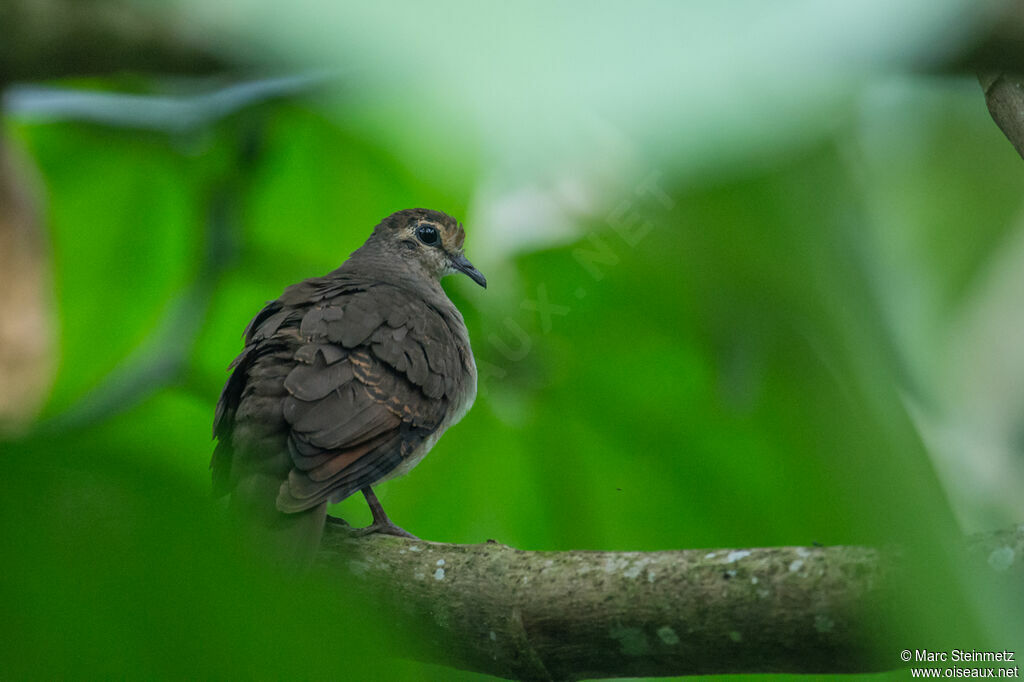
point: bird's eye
(428, 235)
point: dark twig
(161, 113)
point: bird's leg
(381, 522)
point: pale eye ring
(428, 234)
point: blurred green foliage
(728, 364)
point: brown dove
(345, 381)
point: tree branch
(59, 38)
(1004, 95)
(998, 58)
(573, 615)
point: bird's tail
(291, 540)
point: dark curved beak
(462, 264)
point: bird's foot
(381, 523)
(384, 528)
(338, 521)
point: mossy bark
(580, 614)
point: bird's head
(428, 240)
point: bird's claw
(383, 528)
(337, 521)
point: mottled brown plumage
(346, 380)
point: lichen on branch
(584, 615)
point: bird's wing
(248, 416)
(250, 399)
(376, 373)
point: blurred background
(755, 278)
